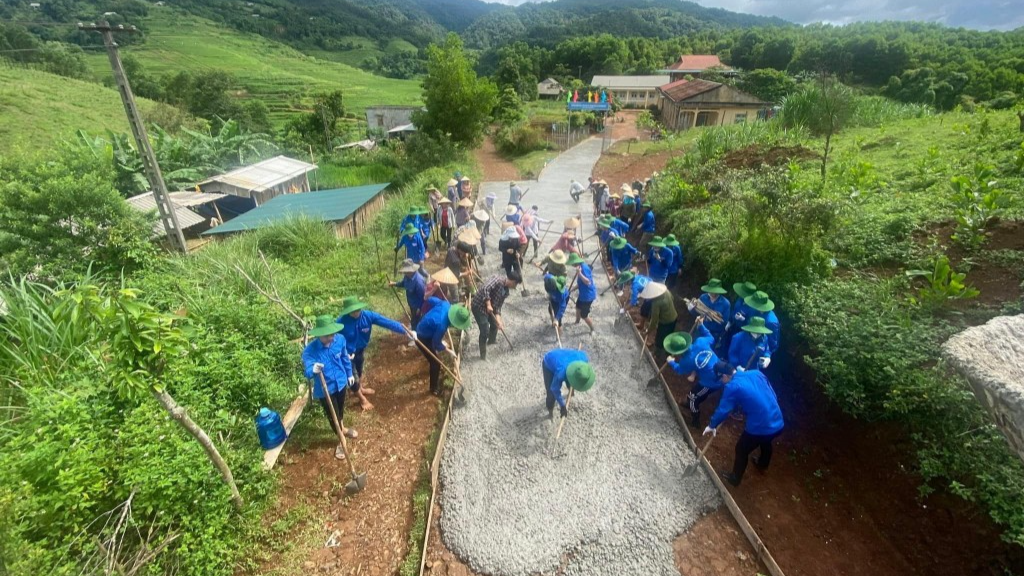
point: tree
(823, 107)
(767, 84)
(510, 108)
(458, 103)
(319, 127)
(518, 69)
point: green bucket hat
(670, 240)
(756, 326)
(422, 210)
(580, 376)
(744, 289)
(410, 230)
(618, 243)
(624, 278)
(657, 242)
(759, 301)
(605, 220)
(677, 343)
(459, 316)
(324, 326)
(575, 259)
(560, 283)
(350, 304)
(714, 286)
(413, 211)
(646, 205)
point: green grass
(530, 164)
(330, 175)
(284, 78)
(38, 108)
(546, 111)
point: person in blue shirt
(415, 288)
(646, 225)
(607, 233)
(411, 217)
(621, 254)
(659, 260)
(558, 297)
(699, 359)
(357, 324)
(713, 299)
(513, 214)
(430, 334)
(739, 313)
(753, 394)
(569, 367)
(677, 260)
(424, 222)
(412, 239)
(763, 307)
(587, 289)
(749, 349)
(637, 283)
(327, 356)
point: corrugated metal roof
(402, 128)
(682, 89)
(146, 203)
(696, 63)
(650, 82)
(263, 175)
(325, 205)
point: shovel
(524, 292)
(700, 456)
(502, 329)
(561, 423)
(358, 481)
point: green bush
(519, 139)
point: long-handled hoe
(358, 481)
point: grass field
(284, 78)
(38, 108)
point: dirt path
(370, 529)
(495, 167)
(838, 498)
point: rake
(358, 481)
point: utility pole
(153, 174)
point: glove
(670, 359)
(622, 310)
(712, 431)
(351, 356)
(741, 369)
(764, 362)
(412, 335)
(351, 380)
(727, 326)
(741, 317)
(318, 368)
(691, 306)
(563, 411)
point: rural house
(691, 103)
(349, 210)
(694, 65)
(631, 91)
(549, 88)
(261, 181)
(196, 211)
(385, 118)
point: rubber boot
(695, 419)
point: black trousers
(748, 443)
(488, 330)
(698, 394)
(510, 262)
(549, 402)
(446, 236)
(414, 318)
(645, 309)
(435, 366)
(338, 399)
(358, 361)
(664, 329)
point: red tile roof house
(694, 65)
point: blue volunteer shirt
(722, 306)
(435, 323)
(700, 359)
(514, 218)
(622, 259)
(425, 225)
(557, 362)
(659, 261)
(639, 283)
(415, 289)
(607, 235)
(337, 367)
(588, 292)
(621, 228)
(558, 300)
(771, 322)
(409, 219)
(414, 248)
(647, 224)
(751, 392)
(357, 330)
(744, 347)
(677, 259)
(741, 313)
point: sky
(978, 14)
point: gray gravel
(611, 496)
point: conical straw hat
(445, 276)
(573, 222)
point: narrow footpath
(612, 495)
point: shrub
(519, 139)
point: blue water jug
(270, 429)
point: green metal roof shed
(348, 209)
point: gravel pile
(611, 496)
